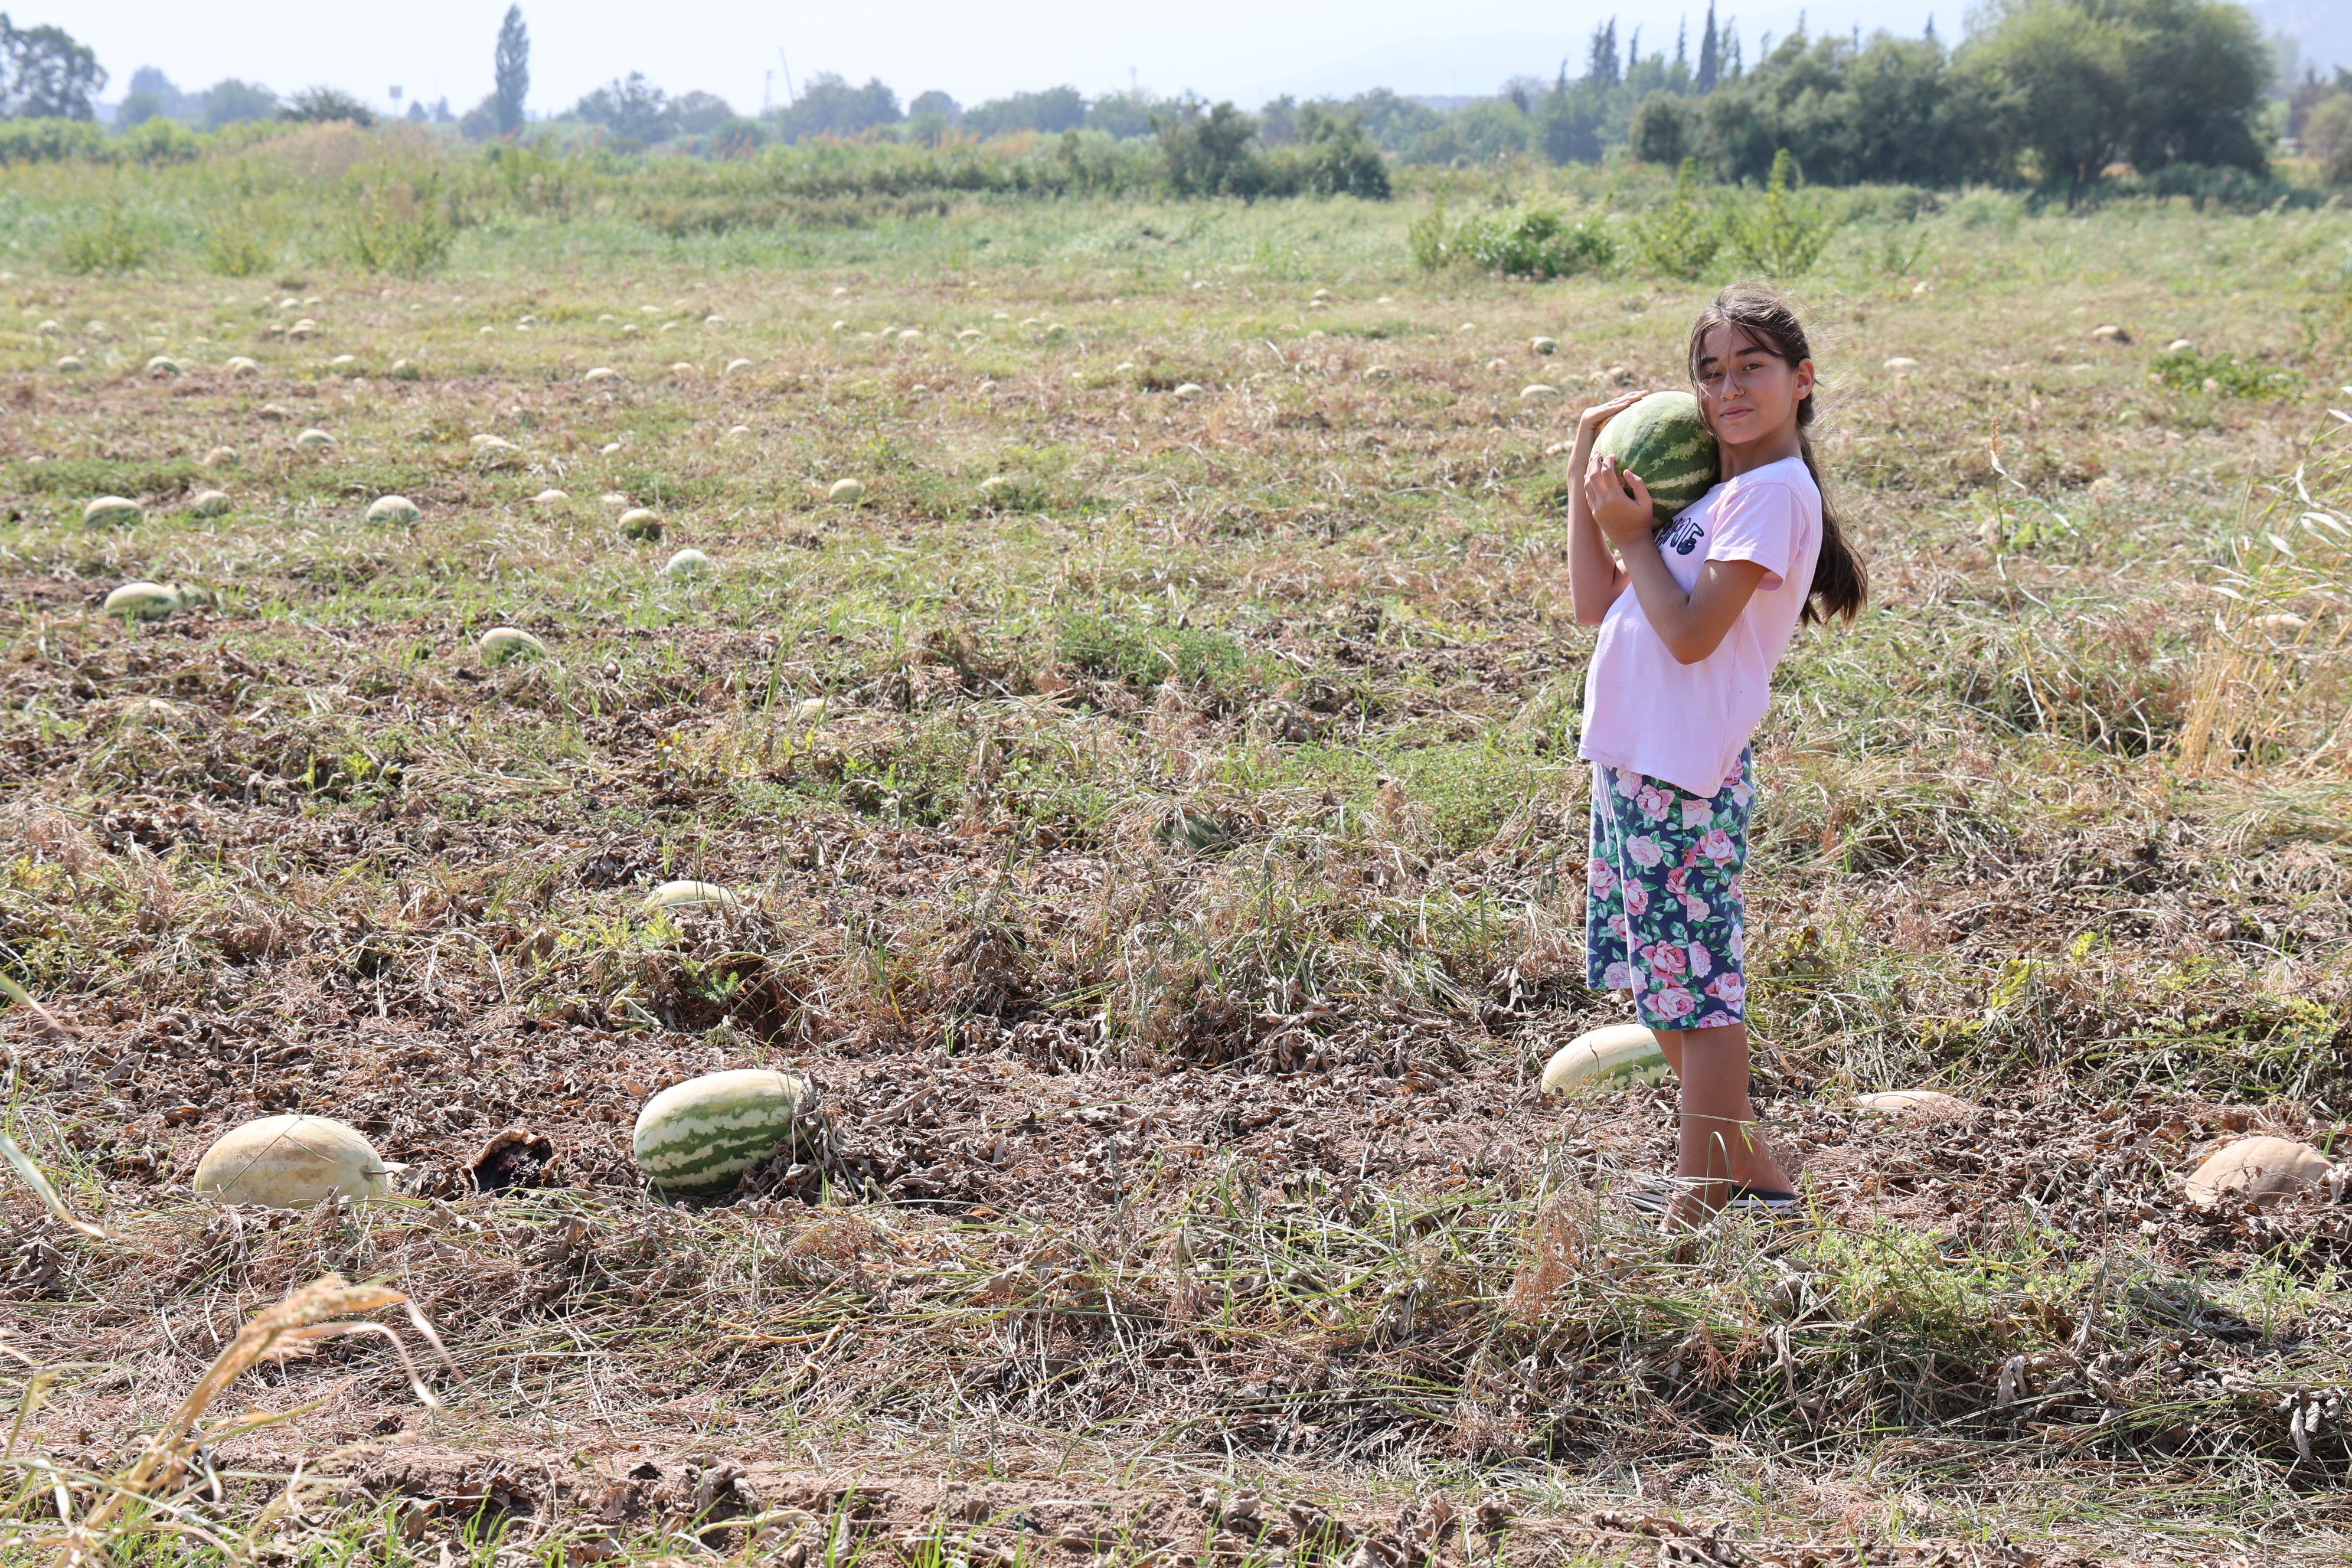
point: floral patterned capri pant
(1664, 914)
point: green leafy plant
(241, 240)
(1680, 238)
(112, 240)
(401, 228)
(1528, 242)
(2223, 374)
(1782, 235)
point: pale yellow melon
(1618, 1056)
(686, 896)
(292, 1162)
(2255, 1171)
(1919, 1102)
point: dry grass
(1166, 862)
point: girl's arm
(1691, 625)
(1594, 578)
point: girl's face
(1747, 391)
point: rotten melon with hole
(641, 523)
(1620, 1055)
(696, 1139)
(292, 1162)
(505, 644)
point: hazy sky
(1242, 48)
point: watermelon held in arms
(696, 1139)
(1664, 440)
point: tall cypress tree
(1710, 53)
(1601, 65)
(513, 65)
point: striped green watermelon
(696, 1139)
(1664, 440)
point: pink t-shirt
(1685, 723)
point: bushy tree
(1210, 152)
(1893, 110)
(229, 101)
(701, 113)
(317, 105)
(631, 107)
(737, 138)
(1333, 156)
(2328, 136)
(831, 107)
(1392, 122)
(1661, 130)
(137, 108)
(1054, 108)
(46, 75)
(1121, 114)
(1571, 121)
(152, 93)
(511, 64)
(2087, 83)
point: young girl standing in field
(1693, 614)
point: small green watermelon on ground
(696, 1139)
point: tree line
(2055, 93)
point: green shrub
(240, 240)
(160, 141)
(109, 240)
(52, 141)
(1142, 657)
(1528, 242)
(2328, 136)
(402, 227)
(2224, 375)
(1782, 235)
(1681, 237)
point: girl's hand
(1589, 423)
(1618, 501)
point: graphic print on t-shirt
(1682, 535)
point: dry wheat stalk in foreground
(137, 1500)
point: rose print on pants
(1664, 914)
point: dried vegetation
(1154, 825)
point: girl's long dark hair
(1840, 585)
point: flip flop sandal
(1753, 1203)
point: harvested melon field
(1110, 665)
